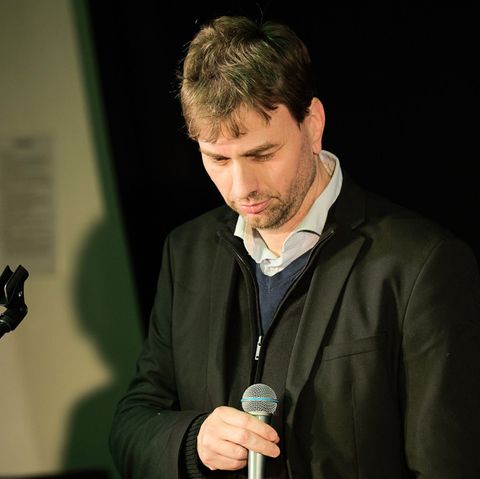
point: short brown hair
(233, 62)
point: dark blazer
(384, 374)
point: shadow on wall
(107, 311)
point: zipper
(256, 310)
(262, 339)
(258, 348)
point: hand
(227, 435)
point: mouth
(253, 209)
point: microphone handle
(256, 461)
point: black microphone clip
(12, 298)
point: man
(362, 316)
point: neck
(275, 238)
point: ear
(315, 124)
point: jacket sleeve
(441, 361)
(147, 438)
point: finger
(221, 440)
(214, 432)
(253, 442)
(218, 453)
(224, 464)
(247, 421)
(226, 428)
(221, 458)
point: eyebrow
(257, 151)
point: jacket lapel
(334, 263)
(326, 286)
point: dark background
(399, 86)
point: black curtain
(399, 86)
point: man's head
(248, 99)
(233, 62)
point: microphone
(261, 401)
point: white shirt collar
(305, 236)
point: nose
(244, 179)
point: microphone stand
(12, 298)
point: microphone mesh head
(259, 399)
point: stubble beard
(283, 208)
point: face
(270, 174)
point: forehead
(255, 128)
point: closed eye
(218, 160)
(261, 158)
